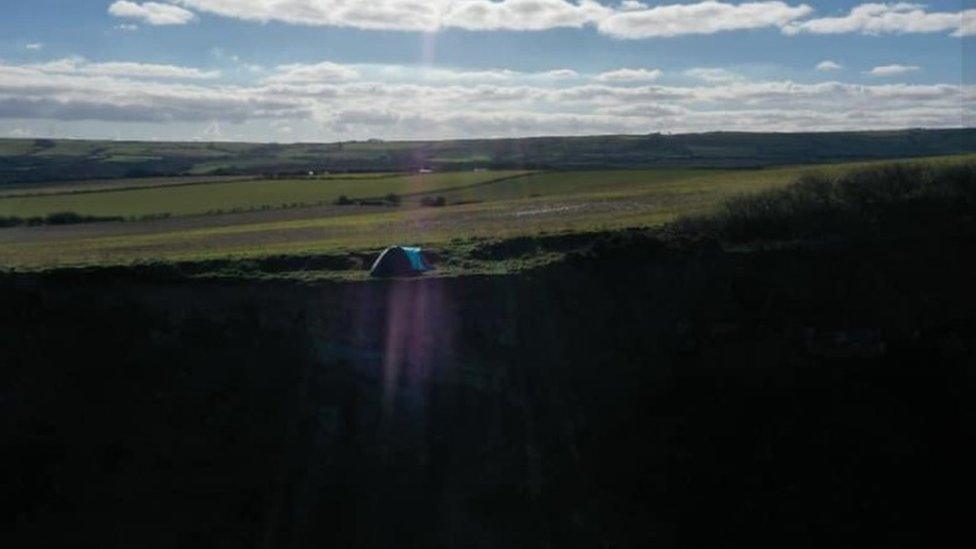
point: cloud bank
(330, 101)
(79, 66)
(628, 19)
(707, 17)
(900, 18)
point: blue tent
(400, 261)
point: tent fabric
(416, 257)
(400, 261)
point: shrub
(433, 202)
(343, 201)
(63, 218)
(58, 218)
(392, 199)
(72, 218)
(154, 217)
(880, 201)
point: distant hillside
(34, 160)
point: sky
(338, 70)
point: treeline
(58, 218)
(389, 200)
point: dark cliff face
(639, 396)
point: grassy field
(99, 185)
(490, 207)
(181, 200)
(45, 160)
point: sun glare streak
(428, 48)
(419, 335)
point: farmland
(269, 217)
(45, 160)
(196, 199)
(99, 185)
(486, 274)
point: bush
(880, 201)
(392, 199)
(63, 218)
(58, 218)
(72, 218)
(433, 202)
(343, 201)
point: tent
(400, 261)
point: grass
(236, 195)
(536, 204)
(102, 185)
(46, 160)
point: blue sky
(313, 70)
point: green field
(237, 195)
(492, 205)
(99, 185)
(47, 160)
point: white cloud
(432, 74)
(645, 110)
(412, 15)
(968, 27)
(310, 73)
(702, 18)
(377, 14)
(628, 75)
(34, 47)
(449, 75)
(712, 75)
(78, 65)
(151, 13)
(28, 92)
(560, 74)
(392, 104)
(521, 14)
(829, 66)
(127, 27)
(629, 19)
(892, 70)
(632, 5)
(890, 18)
